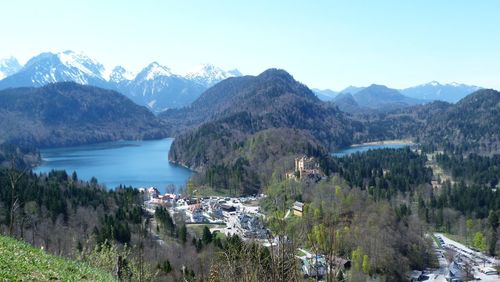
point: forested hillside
(472, 168)
(470, 126)
(23, 157)
(64, 114)
(83, 221)
(345, 221)
(242, 112)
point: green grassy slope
(20, 261)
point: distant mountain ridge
(449, 92)
(380, 96)
(161, 88)
(325, 94)
(374, 97)
(156, 86)
(351, 90)
(431, 91)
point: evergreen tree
(183, 234)
(207, 236)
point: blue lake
(131, 163)
(360, 149)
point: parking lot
(481, 266)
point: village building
(194, 207)
(216, 212)
(315, 266)
(156, 201)
(227, 208)
(318, 265)
(454, 272)
(170, 196)
(197, 216)
(251, 226)
(153, 192)
(298, 208)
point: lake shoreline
(385, 142)
(376, 145)
(141, 163)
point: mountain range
(159, 88)
(156, 86)
(432, 91)
(449, 92)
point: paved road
(477, 259)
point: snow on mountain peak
(63, 66)
(119, 74)
(235, 72)
(81, 62)
(434, 83)
(8, 67)
(155, 70)
(208, 74)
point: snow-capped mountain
(208, 75)
(156, 86)
(120, 74)
(9, 66)
(154, 71)
(49, 67)
(449, 92)
(234, 72)
(159, 88)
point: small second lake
(131, 163)
(363, 148)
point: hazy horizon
(328, 45)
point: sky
(324, 44)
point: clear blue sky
(325, 44)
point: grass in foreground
(20, 261)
